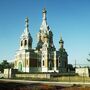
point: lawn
(72, 79)
(59, 79)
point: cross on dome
(27, 22)
(44, 14)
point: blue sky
(69, 17)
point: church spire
(26, 22)
(26, 26)
(44, 26)
(61, 42)
(44, 14)
(26, 39)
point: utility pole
(75, 63)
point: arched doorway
(50, 65)
(20, 66)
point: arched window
(20, 66)
(43, 62)
(25, 43)
(21, 43)
(27, 62)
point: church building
(44, 57)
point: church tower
(45, 30)
(23, 55)
(63, 57)
(26, 39)
(45, 45)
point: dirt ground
(33, 86)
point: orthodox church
(43, 58)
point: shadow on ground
(37, 86)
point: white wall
(82, 71)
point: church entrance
(20, 66)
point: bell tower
(62, 58)
(26, 39)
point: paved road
(47, 82)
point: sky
(69, 17)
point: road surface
(47, 82)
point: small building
(83, 71)
(9, 73)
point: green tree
(70, 67)
(1, 68)
(4, 64)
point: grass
(72, 79)
(58, 79)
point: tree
(1, 68)
(11, 65)
(70, 67)
(4, 64)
